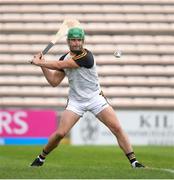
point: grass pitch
(86, 162)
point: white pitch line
(162, 169)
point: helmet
(76, 32)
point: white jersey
(83, 81)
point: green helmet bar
(76, 33)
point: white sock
(133, 164)
(42, 160)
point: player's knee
(60, 135)
(117, 130)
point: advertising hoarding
(144, 127)
(26, 126)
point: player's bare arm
(54, 77)
(54, 65)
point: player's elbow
(53, 84)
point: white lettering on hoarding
(5, 120)
(18, 119)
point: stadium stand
(142, 29)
